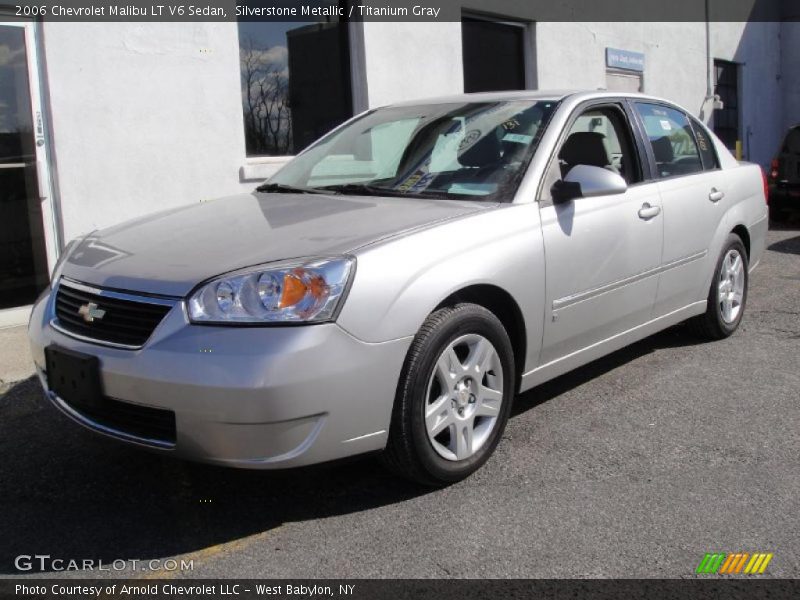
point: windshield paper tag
(518, 138)
(472, 189)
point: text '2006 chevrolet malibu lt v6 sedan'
(396, 284)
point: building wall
(144, 117)
(148, 116)
(790, 73)
(572, 55)
(412, 60)
(756, 47)
(405, 61)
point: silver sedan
(394, 286)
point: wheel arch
(734, 221)
(503, 305)
(744, 234)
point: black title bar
(717, 588)
(403, 10)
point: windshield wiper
(364, 189)
(289, 189)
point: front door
(603, 253)
(26, 242)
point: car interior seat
(584, 148)
(664, 155)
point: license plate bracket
(74, 377)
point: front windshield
(474, 150)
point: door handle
(715, 195)
(647, 212)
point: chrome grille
(124, 321)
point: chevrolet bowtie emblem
(90, 312)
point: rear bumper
(247, 397)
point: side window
(601, 137)
(706, 146)
(672, 140)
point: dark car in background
(784, 177)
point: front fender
(400, 282)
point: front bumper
(254, 397)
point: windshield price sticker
(518, 138)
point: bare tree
(265, 98)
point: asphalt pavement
(633, 466)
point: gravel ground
(633, 466)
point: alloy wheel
(464, 397)
(731, 286)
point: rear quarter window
(707, 153)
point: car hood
(171, 252)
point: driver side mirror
(586, 181)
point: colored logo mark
(733, 564)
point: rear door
(603, 252)
(693, 196)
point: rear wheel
(728, 293)
(453, 398)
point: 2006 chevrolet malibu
(397, 283)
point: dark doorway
(23, 257)
(493, 54)
(726, 119)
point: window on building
(493, 54)
(672, 139)
(295, 81)
(726, 119)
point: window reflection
(23, 261)
(16, 126)
(295, 80)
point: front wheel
(728, 294)
(453, 398)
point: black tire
(711, 325)
(409, 451)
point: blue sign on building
(624, 59)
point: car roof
(553, 95)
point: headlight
(294, 292)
